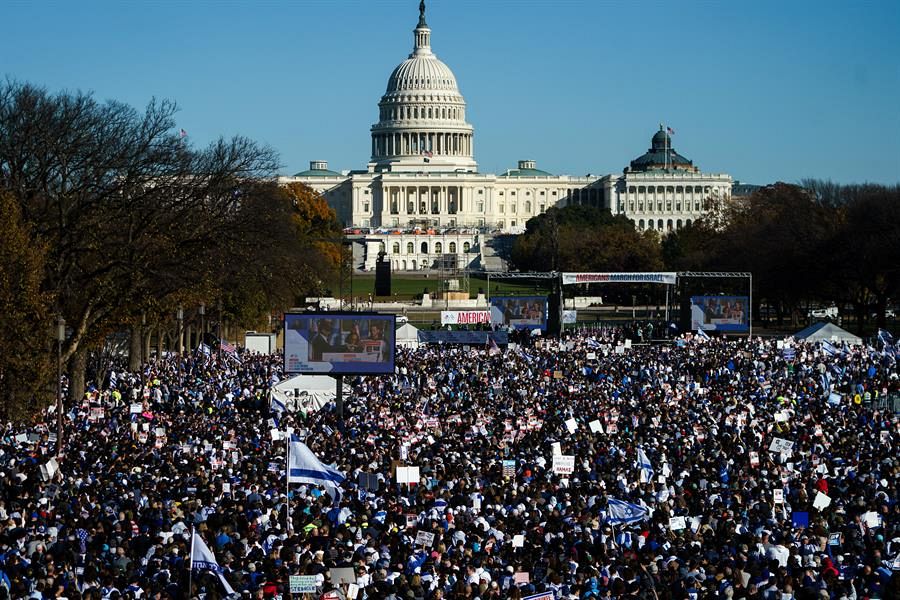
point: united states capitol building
(422, 197)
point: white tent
(310, 392)
(829, 332)
(407, 336)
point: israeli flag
(202, 558)
(304, 467)
(702, 335)
(643, 463)
(828, 348)
(619, 511)
(277, 407)
(205, 350)
(885, 336)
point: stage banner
(667, 278)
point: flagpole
(666, 145)
(191, 566)
(287, 483)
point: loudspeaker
(554, 313)
(383, 278)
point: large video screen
(520, 312)
(339, 343)
(720, 313)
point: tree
(584, 238)
(26, 367)
(136, 220)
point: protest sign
(780, 445)
(754, 459)
(595, 426)
(509, 468)
(521, 578)
(424, 538)
(677, 523)
(518, 541)
(572, 425)
(342, 575)
(302, 584)
(541, 596)
(408, 475)
(563, 464)
(821, 501)
(800, 519)
(778, 496)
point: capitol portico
(422, 180)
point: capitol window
(438, 248)
(365, 207)
(395, 249)
(512, 208)
(410, 248)
(479, 207)
(543, 206)
(424, 247)
(502, 208)
(528, 207)
(542, 192)
(452, 247)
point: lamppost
(143, 358)
(202, 322)
(179, 316)
(60, 338)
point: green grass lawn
(408, 287)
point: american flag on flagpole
(670, 130)
(182, 134)
(226, 347)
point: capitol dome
(422, 115)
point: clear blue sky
(764, 91)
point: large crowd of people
(746, 469)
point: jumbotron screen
(326, 343)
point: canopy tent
(407, 336)
(310, 392)
(829, 332)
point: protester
(701, 469)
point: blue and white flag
(202, 558)
(885, 336)
(643, 463)
(619, 511)
(828, 348)
(205, 350)
(702, 335)
(304, 467)
(277, 407)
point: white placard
(595, 426)
(778, 496)
(821, 501)
(754, 459)
(136, 408)
(872, 519)
(352, 591)
(557, 448)
(408, 475)
(424, 538)
(564, 464)
(677, 523)
(781, 445)
(518, 540)
(572, 425)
